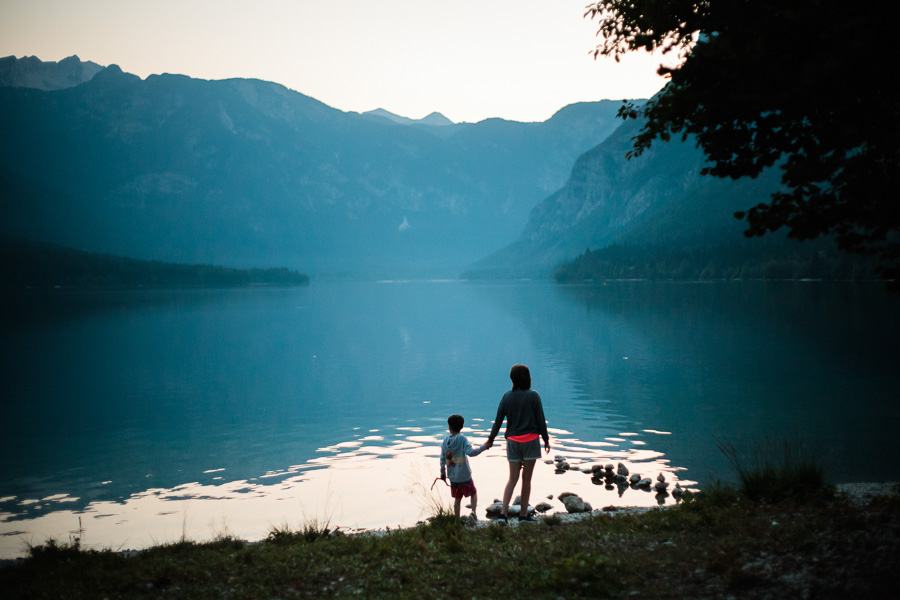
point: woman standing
(525, 423)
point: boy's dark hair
(455, 422)
(521, 377)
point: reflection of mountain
(249, 173)
(741, 360)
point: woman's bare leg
(527, 470)
(514, 468)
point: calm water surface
(137, 418)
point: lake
(135, 418)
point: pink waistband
(527, 437)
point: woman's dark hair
(455, 422)
(521, 377)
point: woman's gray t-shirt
(524, 414)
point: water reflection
(377, 479)
(741, 360)
(244, 410)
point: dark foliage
(794, 84)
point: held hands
(488, 444)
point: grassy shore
(718, 544)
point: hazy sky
(468, 59)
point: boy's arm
(474, 451)
(443, 462)
(479, 450)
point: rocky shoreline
(858, 493)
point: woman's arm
(498, 420)
(541, 421)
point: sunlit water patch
(369, 482)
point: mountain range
(246, 173)
(32, 72)
(249, 173)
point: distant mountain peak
(435, 119)
(386, 114)
(32, 72)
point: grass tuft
(444, 519)
(715, 493)
(53, 551)
(552, 520)
(778, 472)
(311, 531)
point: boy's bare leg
(527, 470)
(474, 502)
(456, 506)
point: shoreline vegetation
(29, 266)
(33, 266)
(819, 260)
(815, 542)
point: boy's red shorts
(458, 490)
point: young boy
(455, 451)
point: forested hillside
(28, 265)
(739, 259)
(655, 216)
